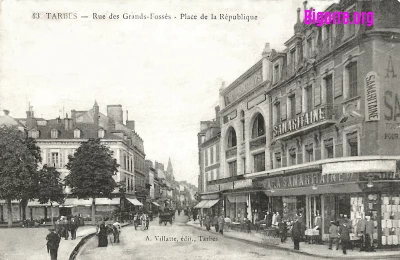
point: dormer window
(33, 133)
(54, 133)
(77, 133)
(101, 133)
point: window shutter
(283, 108)
(317, 95)
(48, 162)
(61, 159)
(298, 104)
(338, 86)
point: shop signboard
(317, 178)
(371, 97)
(226, 186)
(248, 84)
(214, 187)
(242, 184)
(388, 81)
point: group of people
(65, 225)
(217, 222)
(141, 217)
(106, 231)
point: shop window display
(390, 222)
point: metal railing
(231, 152)
(258, 142)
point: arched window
(54, 133)
(231, 138)
(77, 133)
(258, 127)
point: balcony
(258, 142)
(231, 152)
(321, 117)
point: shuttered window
(352, 83)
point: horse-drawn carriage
(166, 217)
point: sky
(166, 73)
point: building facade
(314, 129)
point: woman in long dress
(103, 242)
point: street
(179, 242)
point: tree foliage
(91, 170)
(19, 158)
(50, 186)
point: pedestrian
(369, 234)
(296, 233)
(116, 231)
(282, 230)
(221, 223)
(333, 235)
(344, 234)
(207, 223)
(53, 241)
(103, 242)
(74, 226)
(215, 222)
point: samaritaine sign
(300, 121)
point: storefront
(341, 191)
(210, 204)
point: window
(54, 160)
(309, 101)
(211, 155)
(232, 168)
(276, 73)
(292, 156)
(217, 173)
(349, 29)
(278, 160)
(328, 148)
(329, 89)
(77, 133)
(232, 138)
(352, 79)
(309, 47)
(243, 125)
(54, 133)
(217, 152)
(34, 134)
(206, 157)
(277, 107)
(259, 162)
(292, 102)
(258, 127)
(101, 133)
(293, 56)
(309, 153)
(352, 142)
(244, 165)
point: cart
(165, 217)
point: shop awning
(35, 203)
(210, 203)
(322, 189)
(98, 201)
(201, 204)
(155, 203)
(135, 202)
(5, 202)
(237, 199)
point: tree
(50, 187)
(92, 168)
(18, 166)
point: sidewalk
(305, 248)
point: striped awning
(155, 203)
(201, 204)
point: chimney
(115, 113)
(130, 124)
(73, 116)
(66, 122)
(217, 116)
(266, 63)
(6, 112)
(96, 114)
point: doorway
(313, 204)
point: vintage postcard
(193, 129)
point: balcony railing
(258, 142)
(231, 152)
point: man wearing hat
(296, 233)
(53, 241)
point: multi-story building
(209, 165)
(315, 127)
(58, 138)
